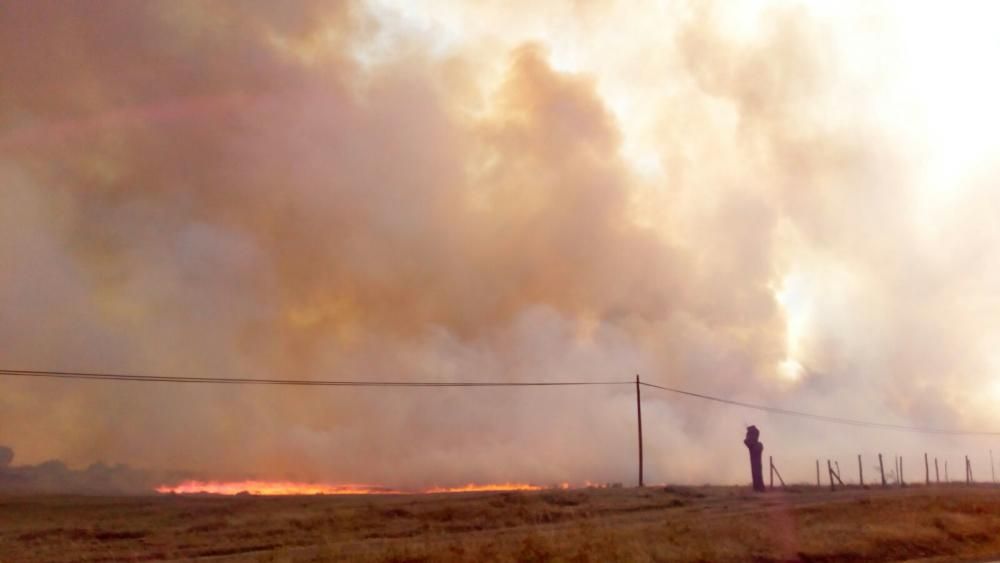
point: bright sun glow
(796, 310)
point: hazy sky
(787, 203)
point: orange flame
(476, 488)
(271, 488)
(254, 487)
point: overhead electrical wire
(821, 417)
(101, 376)
(299, 382)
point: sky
(783, 203)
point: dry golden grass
(651, 524)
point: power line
(294, 382)
(355, 383)
(821, 417)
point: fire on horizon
(295, 488)
(784, 203)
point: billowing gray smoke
(6, 456)
(97, 478)
(246, 190)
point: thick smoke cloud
(314, 191)
(97, 478)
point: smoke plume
(343, 190)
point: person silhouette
(756, 447)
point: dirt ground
(943, 523)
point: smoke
(97, 478)
(347, 191)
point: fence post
(770, 462)
(927, 469)
(774, 469)
(861, 472)
(638, 412)
(881, 469)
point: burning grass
(287, 488)
(270, 488)
(676, 523)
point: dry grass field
(651, 524)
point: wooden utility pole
(881, 469)
(818, 484)
(836, 467)
(861, 472)
(968, 471)
(770, 462)
(638, 412)
(937, 474)
(927, 469)
(829, 469)
(902, 482)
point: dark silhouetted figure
(756, 448)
